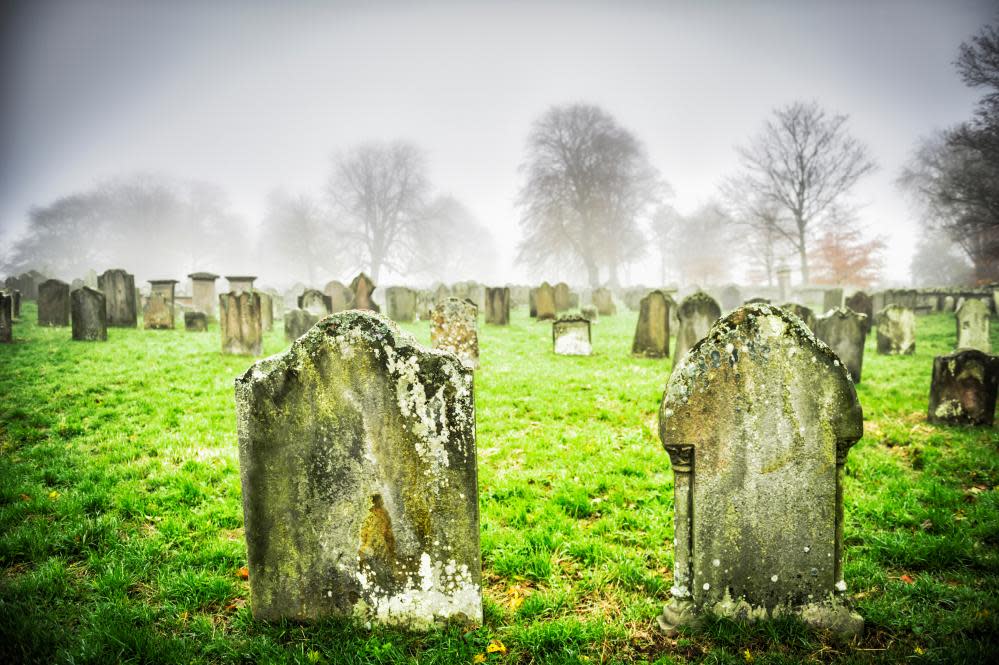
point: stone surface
(862, 303)
(203, 292)
(358, 465)
(832, 299)
(158, 311)
(544, 302)
(118, 287)
(362, 289)
(195, 321)
(400, 303)
(498, 306)
(53, 303)
(844, 331)
(297, 322)
(652, 331)
(240, 283)
(896, 331)
(341, 297)
(315, 302)
(532, 303)
(454, 328)
(16, 303)
(806, 315)
(757, 420)
(88, 312)
(696, 314)
(266, 310)
(6, 318)
(603, 300)
(963, 388)
(239, 319)
(589, 312)
(571, 336)
(972, 319)
(562, 303)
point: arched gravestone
(544, 302)
(652, 331)
(757, 421)
(454, 328)
(53, 303)
(239, 320)
(362, 289)
(603, 300)
(697, 313)
(297, 322)
(862, 303)
(400, 303)
(341, 298)
(806, 315)
(844, 331)
(315, 302)
(89, 314)
(118, 287)
(498, 305)
(358, 465)
(6, 318)
(896, 331)
(561, 297)
(972, 319)
(731, 297)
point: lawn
(121, 538)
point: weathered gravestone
(239, 320)
(844, 331)
(561, 297)
(696, 314)
(783, 282)
(118, 287)
(158, 312)
(757, 420)
(571, 336)
(240, 283)
(589, 312)
(15, 296)
(53, 303)
(400, 303)
(963, 388)
(731, 297)
(862, 303)
(832, 299)
(341, 298)
(358, 465)
(297, 322)
(532, 303)
(804, 313)
(362, 287)
(603, 300)
(948, 304)
(441, 293)
(498, 305)
(203, 292)
(972, 319)
(453, 327)
(544, 302)
(896, 331)
(6, 318)
(652, 332)
(195, 321)
(315, 302)
(573, 300)
(89, 315)
(266, 311)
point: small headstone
(118, 287)
(400, 303)
(652, 332)
(297, 322)
(15, 296)
(804, 313)
(562, 297)
(53, 303)
(844, 331)
(454, 328)
(203, 292)
(266, 311)
(340, 297)
(239, 320)
(315, 302)
(603, 300)
(158, 312)
(88, 312)
(589, 312)
(573, 300)
(532, 303)
(90, 279)
(972, 319)
(6, 318)
(697, 313)
(77, 284)
(358, 464)
(963, 388)
(195, 321)
(948, 304)
(832, 299)
(896, 331)
(571, 336)
(498, 306)
(862, 303)
(362, 287)
(757, 421)
(544, 302)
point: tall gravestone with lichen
(498, 305)
(806, 315)
(652, 330)
(844, 331)
(972, 319)
(896, 330)
(544, 302)
(6, 318)
(118, 287)
(89, 315)
(561, 292)
(757, 420)
(240, 323)
(454, 328)
(696, 314)
(358, 465)
(963, 388)
(53, 303)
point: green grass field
(121, 538)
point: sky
(258, 95)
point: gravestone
(544, 302)
(6, 318)
(972, 319)
(77, 284)
(862, 303)
(315, 302)
(783, 283)
(573, 300)
(896, 331)
(90, 279)
(757, 420)
(603, 300)
(453, 328)
(757, 301)
(341, 298)
(158, 312)
(240, 283)
(359, 480)
(731, 297)
(266, 311)
(362, 287)
(498, 305)
(297, 322)
(589, 312)
(239, 320)
(195, 321)
(562, 297)
(832, 299)
(203, 292)
(15, 296)
(89, 316)
(963, 388)
(652, 332)
(571, 336)
(948, 304)
(441, 293)
(696, 314)
(53, 303)
(844, 331)
(804, 313)
(400, 303)
(532, 303)
(28, 284)
(118, 287)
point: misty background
(192, 136)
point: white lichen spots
(329, 594)
(841, 586)
(807, 549)
(774, 578)
(707, 586)
(716, 563)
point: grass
(120, 513)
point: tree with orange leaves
(843, 255)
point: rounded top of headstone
(973, 306)
(894, 308)
(53, 281)
(203, 275)
(700, 302)
(571, 318)
(843, 313)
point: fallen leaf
(907, 579)
(243, 573)
(479, 658)
(25, 497)
(53, 495)
(919, 651)
(747, 656)
(496, 647)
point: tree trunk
(802, 254)
(612, 279)
(592, 274)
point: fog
(255, 101)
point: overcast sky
(256, 95)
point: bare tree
(758, 220)
(663, 228)
(588, 183)
(703, 245)
(297, 238)
(803, 162)
(453, 245)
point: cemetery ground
(120, 512)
